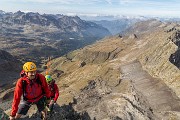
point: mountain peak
(2, 12)
(19, 13)
(33, 14)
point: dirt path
(157, 93)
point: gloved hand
(52, 102)
(12, 118)
(48, 102)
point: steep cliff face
(9, 67)
(9, 72)
(156, 58)
(175, 58)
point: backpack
(24, 83)
(51, 87)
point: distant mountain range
(97, 17)
(117, 26)
(121, 23)
(35, 36)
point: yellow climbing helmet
(48, 78)
(29, 66)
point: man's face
(31, 75)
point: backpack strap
(52, 88)
(24, 89)
(39, 82)
(24, 83)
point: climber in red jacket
(33, 87)
(53, 88)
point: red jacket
(54, 91)
(33, 90)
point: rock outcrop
(9, 72)
(155, 60)
(3, 115)
(9, 68)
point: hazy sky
(93, 7)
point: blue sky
(169, 8)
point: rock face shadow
(3, 115)
(65, 112)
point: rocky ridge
(122, 77)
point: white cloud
(128, 1)
(109, 2)
(143, 7)
(61, 1)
